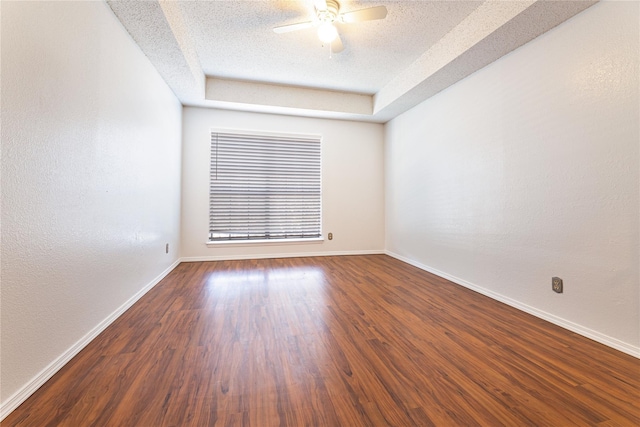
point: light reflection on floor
(272, 314)
(275, 279)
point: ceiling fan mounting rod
(330, 14)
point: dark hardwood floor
(332, 341)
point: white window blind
(264, 187)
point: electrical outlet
(166, 249)
(330, 236)
(556, 284)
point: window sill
(265, 242)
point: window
(264, 187)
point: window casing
(264, 187)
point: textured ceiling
(243, 46)
(225, 54)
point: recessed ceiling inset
(225, 54)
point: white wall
(528, 169)
(352, 183)
(90, 181)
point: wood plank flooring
(332, 341)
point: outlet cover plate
(556, 284)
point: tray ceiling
(224, 54)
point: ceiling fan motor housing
(330, 14)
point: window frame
(268, 241)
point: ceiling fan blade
(337, 46)
(320, 4)
(370, 14)
(293, 27)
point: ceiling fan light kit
(328, 14)
(327, 32)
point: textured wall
(352, 182)
(90, 178)
(528, 169)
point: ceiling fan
(327, 15)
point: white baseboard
(36, 382)
(573, 327)
(280, 255)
